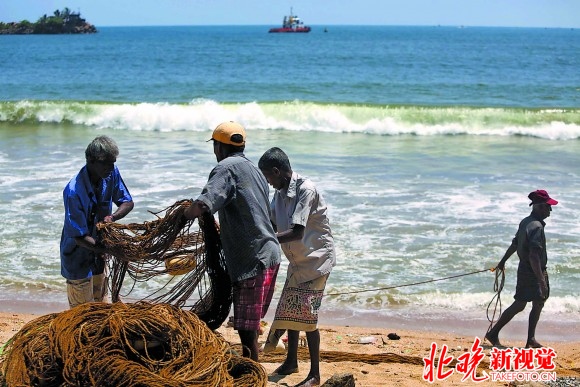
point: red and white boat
(291, 23)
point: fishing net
(188, 261)
(133, 345)
(166, 338)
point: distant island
(62, 22)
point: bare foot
(532, 343)
(286, 369)
(309, 381)
(493, 339)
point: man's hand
(121, 212)
(543, 290)
(88, 242)
(195, 210)
(509, 252)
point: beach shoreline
(551, 328)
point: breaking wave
(202, 115)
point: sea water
(425, 142)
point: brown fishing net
(140, 251)
(133, 345)
(165, 338)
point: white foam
(201, 115)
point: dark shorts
(252, 299)
(527, 288)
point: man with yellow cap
(238, 191)
(532, 280)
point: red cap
(541, 197)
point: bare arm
(509, 252)
(121, 212)
(88, 242)
(293, 234)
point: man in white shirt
(299, 216)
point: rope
(497, 288)
(377, 358)
(125, 345)
(411, 284)
(337, 356)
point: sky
(493, 13)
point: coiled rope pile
(141, 344)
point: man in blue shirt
(238, 192)
(88, 199)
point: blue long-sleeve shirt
(83, 209)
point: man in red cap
(532, 281)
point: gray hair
(102, 148)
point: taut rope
(410, 284)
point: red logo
(506, 364)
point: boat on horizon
(291, 23)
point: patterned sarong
(297, 309)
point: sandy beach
(379, 363)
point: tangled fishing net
(165, 338)
(167, 246)
(133, 345)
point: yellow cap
(226, 133)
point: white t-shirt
(302, 204)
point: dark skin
(248, 339)
(99, 170)
(280, 179)
(542, 211)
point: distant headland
(62, 22)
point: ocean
(425, 142)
